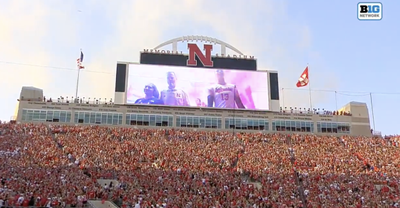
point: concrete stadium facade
(32, 108)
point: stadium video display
(197, 87)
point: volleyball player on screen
(173, 96)
(151, 96)
(223, 95)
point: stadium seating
(72, 165)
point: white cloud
(136, 28)
(47, 34)
(255, 28)
(28, 36)
(263, 28)
(20, 39)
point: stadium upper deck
(352, 119)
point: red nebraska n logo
(194, 51)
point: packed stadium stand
(59, 163)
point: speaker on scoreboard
(274, 86)
(120, 83)
(274, 91)
(120, 78)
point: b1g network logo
(369, 11)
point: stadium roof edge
(259, 70)
(127, 62)
(268, 70)
(357, 103)
(31, 88)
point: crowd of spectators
(318, 111)
(56, 165)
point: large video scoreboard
(197, 78)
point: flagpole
(309, 88)
(79, 65)
(336, 101)
(77, 84)
(372, 112)
(337, 109)
(283, 99)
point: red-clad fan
(25, 203)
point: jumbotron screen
(197, 87)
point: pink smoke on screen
(252, 86)
(242, 80)
(248, 94)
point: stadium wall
(219, 119)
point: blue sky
(345, 55)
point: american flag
(79, 61)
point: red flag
(303, 80)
